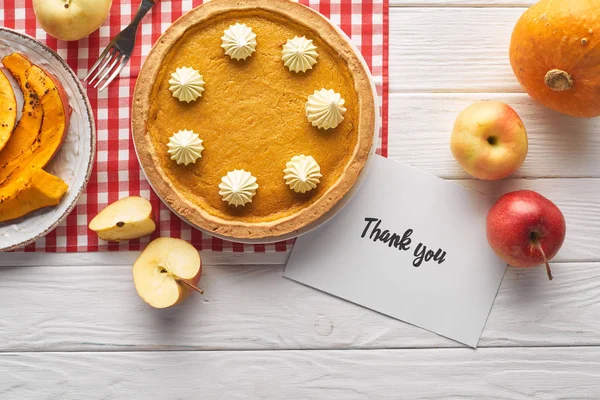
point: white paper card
(411, 246)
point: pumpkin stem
(558, 80)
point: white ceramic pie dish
(341, 204)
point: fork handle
(141, 13)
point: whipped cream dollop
(302, 173)
(299, 54)
(325, 109)
(238, 187)
(186, 84)
(239, 41)
(185, 147)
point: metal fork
(118, 52)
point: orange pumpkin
(28, 127)
(31, 190)
(24, 185)
(555, 54)
(8, 110)
(46, 141)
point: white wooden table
(72, 326)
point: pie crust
(235, 227)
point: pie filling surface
(251, 116)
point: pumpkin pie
(278, 105)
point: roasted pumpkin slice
(31, 190)
(8, 110)
(28, 127)
(55, 124)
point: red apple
(526, 229)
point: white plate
(73, 162)
(342, 203)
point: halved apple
(166, 272)
(125, 219)
(8, 110)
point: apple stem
(548, 270)
(190, 285)
(67, 3)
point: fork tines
(111, 59)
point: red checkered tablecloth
(116, 173)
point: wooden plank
(254, 308)
(560, 146)
(452, 49)
(129, 257)
(500, 374)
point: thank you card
(411, 246)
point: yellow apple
(166, 272)
(489, 140)
(71, 19)
(125, 219)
